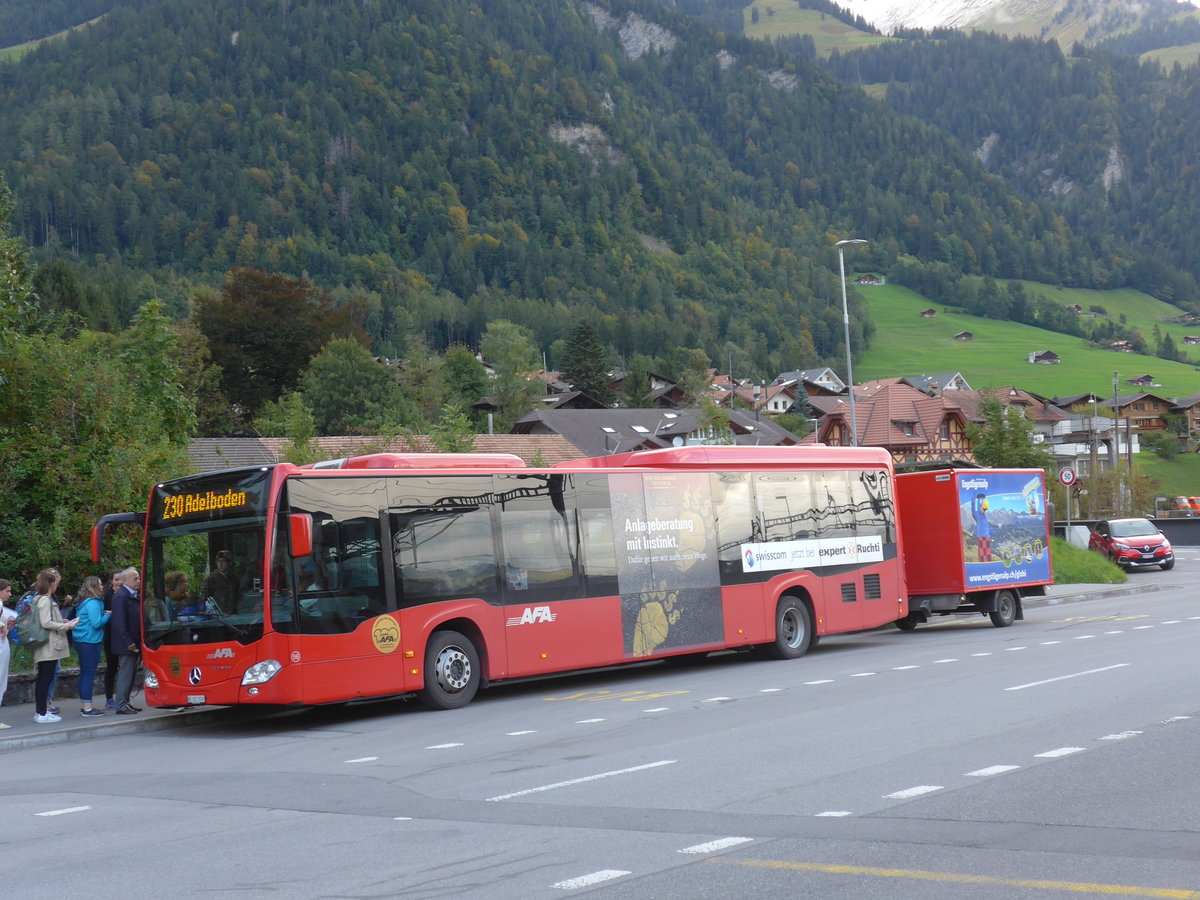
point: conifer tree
(585, 365)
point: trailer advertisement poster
(1005, 534)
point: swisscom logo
(750, 560)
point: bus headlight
(262, 672)
(150, 681)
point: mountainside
(1066, 21)
(1103, 140)
(454, 162)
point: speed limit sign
(1066, 475)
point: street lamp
(846, 326)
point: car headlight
(150, 681)
(1117, 545)
(261, 672)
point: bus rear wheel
(793, 630)
(451, 671)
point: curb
(182, 719)
(1096, 592)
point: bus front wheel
(451, 671)
(793, 630)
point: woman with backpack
(89, 639)
(54, 648)
(6, 619)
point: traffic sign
(1066, 475)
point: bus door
(550, 622)
(334, 602)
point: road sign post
(1067, 476)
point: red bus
(437, 574)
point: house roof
(602, 432)
(212, 454)
(882, 413)
(1038, 409)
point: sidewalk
(25, 732)
(74, 727)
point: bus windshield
(204, 561)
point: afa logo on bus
(531, 615)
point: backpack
(28, 626)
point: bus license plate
(196, 700)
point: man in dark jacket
(125, 637)
(110, 658)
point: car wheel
(1168, 565)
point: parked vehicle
(1132, 543)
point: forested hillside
(452, 163)
(1105, 141)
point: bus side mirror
(300, 531)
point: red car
(1132, 543)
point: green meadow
(906, 345)
(783, 18)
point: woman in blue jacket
(89, 639)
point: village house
(910, 425)
(928, 313)
(964, 336)
(1044, 358)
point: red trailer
(975, 541)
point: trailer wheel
(1006, 609)
(793, 630)
(909, 622)
(451, 671)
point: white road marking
(1174, 719)
(551, 787)
(944, 660)
(981, 654)
(822, 681)
(769, 690)
(402, 819)
(1084, 637)
(1115, 632)
(1061, 751)
(443, 746)
(836, 813)
(519, 733)
(863, 674)
(1021, 687)
(63, 812)
(1172, 622)
(1010, 649)
(903, 668)
(1120, 735)
(363, 759)
(917, 791)
(1141, 627)
(657, 709)
(588, 721)
(713, 846)
(716, 700)
(589, 880)
(991, 770)
(1049, 643)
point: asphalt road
(1054, 758)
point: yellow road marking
(1079, 887)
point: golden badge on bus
(385, 634)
